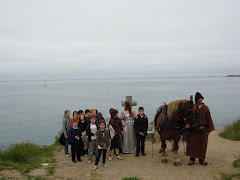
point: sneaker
(95, 167)
(79, 160)
(119, 158)
(67, 154)
(136, 155)
(74, 161)
(144, 154)
(104, 165)
(89, 161)
(109, 158)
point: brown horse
(170, 122)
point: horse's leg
(176, 159)
(164, 155)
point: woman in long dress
(129, 139)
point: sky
(56, 39)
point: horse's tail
(156, 116)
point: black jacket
(88, 132)
(141, 124)
(83, 126)
(75, 132)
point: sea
(32, 111)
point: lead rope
(184, 149)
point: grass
(229, 177)
(236, 163)
(25, 157)
(131, 178)
(232, 131)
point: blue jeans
(66, 147)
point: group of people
(90, 134)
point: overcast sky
(118, 38)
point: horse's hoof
(177, 164)
(160, 151)
(164, 161)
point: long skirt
(129, 138)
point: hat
(113, 112)
(198, 96)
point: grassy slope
(232, 132)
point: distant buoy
(45, 84)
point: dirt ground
(220, 155)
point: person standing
(116, 132)
(91, 131)
(103, 142)
(75, 139)
(129, 140)
(141, 127)
(198, 138)
(66, 126)
(83, 126)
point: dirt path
(220, 155)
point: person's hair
(101, 121)
(128, 107)
(74, 120)
(96, 111)
(80, 112)
(140, 108)
(87, 111)
(91, 111)
(110, 110)
(113, 112)
(75, 112)
(65, 112)
(92, 117)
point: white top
(93, 128)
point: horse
(170, 123)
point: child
(75, 116)
(141, 127)
(103, 141)
(83, 126)
(66, 126)
(91, 132)
(115, 133)
(75, 139)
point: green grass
(27, 156)
(232, 131)
(229, 177)
(131, 178)
(236, 163)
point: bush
(232, 131)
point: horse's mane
(173, 107)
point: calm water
(30, 111)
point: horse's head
(190, 111)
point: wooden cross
(129, 99)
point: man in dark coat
(198, 138)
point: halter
(168, 123)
